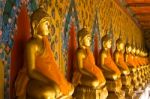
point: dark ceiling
(139, 10)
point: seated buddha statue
(146, 68)
(139, 67)
(136, 54)
(120, 62)
(110, 70)
(133, 53)
(129, 58)
(87, 76)
(40, 77)
(131, 65)
(105, 60)
(119, 57)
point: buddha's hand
(102, 84)
(68, 92)
(71, 90)
(118, 74)
(126, 72)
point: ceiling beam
(141, 9)
(128, 11)
(137, 4)
(143, 17)
(142, 14)
(146, 31)
(143, 20)
(146, 21)
(137, 1)
(146, 28)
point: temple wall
(67, 17)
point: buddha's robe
(90, 66)
(121, 61)
(135, 58)
(109, 62)
(47, 66)
(147, 61)
(130, 61)
(142, 60)
(139, 60)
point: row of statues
(112, 78)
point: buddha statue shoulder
(119, 57)
(43, 80)
(86, 73)
(106, 61)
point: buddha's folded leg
(91, 82)
(40, 90)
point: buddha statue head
(137, 52)
(145, 53)
(128, 48)
(107, 42)
(84, 38)
(40, 23)
(141, 53)
(133, 50)
(120, 45)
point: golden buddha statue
(110, 70)
(125, 73)
(40, 77)
(146, 66)
(142, 68)
(87, 76)
(119, 57)
(139, 68)
(129, 59)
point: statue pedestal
(126, 86)
(139, 78)
(143, 77)
(114, 89)
(147, 73)
(134, 81)
(84, 92)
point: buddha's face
(128, 49)
(137, 51)
(107, 44)
(141, 54)
(145, 53)
(133, 50)
(43, 28)
(120, 47)
(86, 41)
